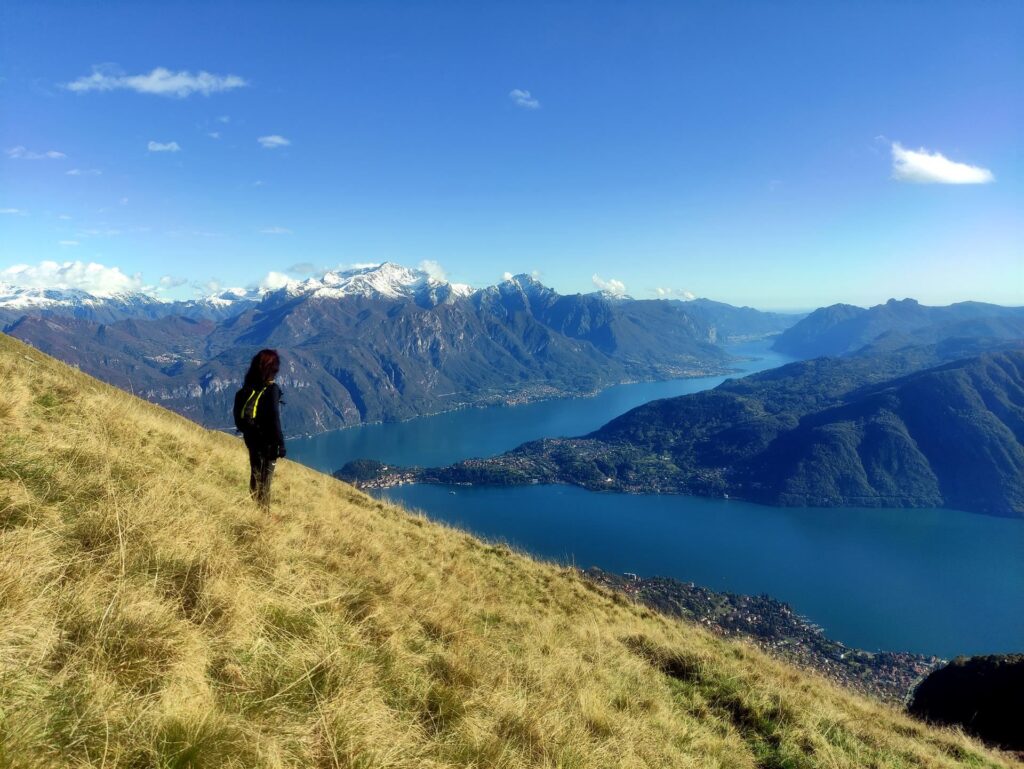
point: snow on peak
(387, 280)
(31, 297)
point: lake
(938, 582)
(930, 581)
(483, 432)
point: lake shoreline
(775, 628)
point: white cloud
(433, 269)
(276, 231)
(163, 147)
(674, 293)
(20, 153)
(224, 119)
(611, 286)
(523, 99)
(97, 279)
(214, 134)
(123, 201)
(14, 211)
(84, 172)
(924, 167)
(274, 280)
(258, 183)
(64, 217)
(161, 82)
(273, 141)
(68, 243)
(507, 275)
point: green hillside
(151, 616)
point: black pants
(261, 473)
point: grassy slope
(151, 616)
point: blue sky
(737, 150)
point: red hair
(264, 367)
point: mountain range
(380, 343)
(844, 328)
(909, 428)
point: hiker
(258, 417)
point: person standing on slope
(257, 413)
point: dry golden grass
(152, 616)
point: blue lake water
(483, 432)
(931, 581)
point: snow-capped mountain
(16, 301)
(382, 281)
(387, 281)
(371, 343)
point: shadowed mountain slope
(151, 616)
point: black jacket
(266, 437)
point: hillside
(382, 343)
(867, 430)
(844, 328)
(150, 616)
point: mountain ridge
(843, 328)
(390, 343)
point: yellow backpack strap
(256, 403)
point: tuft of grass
(152, 617)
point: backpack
(247, 403)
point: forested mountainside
(843, 328)
(865, 430)
(389, 343)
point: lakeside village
(774, 627)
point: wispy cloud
(169, 281)
(21, 153)
(924, 167)
(96, 232)
(67, 243)
(224, 119)
(97, 279)
(304, 268)
(610, 286)
(674, 293)
(163, 147)
(276, 231)
(523, 99)
(13, 211)
(273, 141)
(433, 269)
(214, 134)
(160, 81)
(84, 172)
